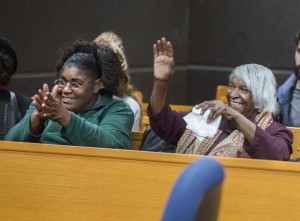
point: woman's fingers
(170, 51)
(46, 115)
(49, 99)
(41, 94)
(214, 113)
(38, 99)
(216, 108)
(55, 92)
(45, 88)
(41, 98)
(37, 106)
(159, 47)
(51, 106)
(155, 53)
(205, 106)
(164, 46)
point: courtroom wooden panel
(52, 182)
(296, 142)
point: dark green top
(107, 124)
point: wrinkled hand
(163, 60)
(217, 108)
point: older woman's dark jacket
(275, 143)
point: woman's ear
(98, 85)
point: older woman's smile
(239, 97)
(235, 104)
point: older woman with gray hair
(245, 129)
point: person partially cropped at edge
(289, 92)
(127, 91)
(13, 105)
(246, 129)
(80, 110)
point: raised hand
(163, 60)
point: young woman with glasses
(80, 110)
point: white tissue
(198, 124)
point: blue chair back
(196, 193)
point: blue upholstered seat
(196, 193)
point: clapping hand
(40, 113)
(50, 106)
(53, 107)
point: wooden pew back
(137, 138)
(296, 142)
(221, 93)
(53, 182)
(173, 106)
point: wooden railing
(53, 182)
(173, 106)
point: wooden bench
(221, 93)
(53, 182)
(296, 142)
(173, 106)
(137, 138)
